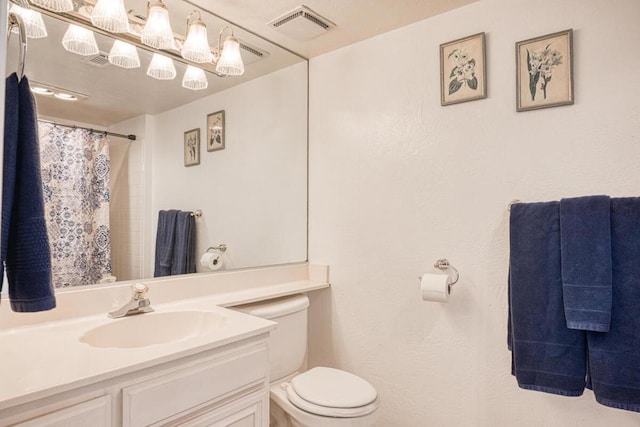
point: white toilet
(319, 397)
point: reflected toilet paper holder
(221, 247)
(443, 264)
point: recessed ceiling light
(57, 92)
(66, 96)
(42, 91)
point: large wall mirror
(251, 192)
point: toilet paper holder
(443, 264)
(221, 247)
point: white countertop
(45, 358)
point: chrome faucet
(138, 304)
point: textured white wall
(252, 193)
(397, 181)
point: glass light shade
(80, 40)
(161, 68)
(230, 62)
(194, 78)
(55, 5)
(33, 23)
(124, 55)
(110, 15)
(196, 46)
(157, 31)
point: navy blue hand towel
(165, 238)
(546, 355)
(184, 248)
(585, 235)
(614, 356)
(25, 244)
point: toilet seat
(332, 393)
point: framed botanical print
(192, 147)
(463, 70)
(215, 131)
(544, 71)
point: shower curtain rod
(119, 135)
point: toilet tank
(288, 342)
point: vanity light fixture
(110, 15)
(196, 46)
(194, 78)
(57, 6)
(80, 41)
(230, 61)
(124, 55)
(33, 23)
(157, 31)
(161, 68)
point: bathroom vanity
(191, 362)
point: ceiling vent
(100, 60)
(251, 54)
(302, 24)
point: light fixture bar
(76, 18)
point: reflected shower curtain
(75, 177)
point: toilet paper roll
(434, 287)
(211, 260)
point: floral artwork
(463, 73)
(544, 71)
(462, 70)
(192, 147)
(215, 131)
(540, 65)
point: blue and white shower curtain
(75, 176)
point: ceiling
(115, 94)
(355, 19)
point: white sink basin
(147, 329)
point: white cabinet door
(94, 413)
(251, 411)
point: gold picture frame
(192, 147)
(544, 71)
(463, 70)
(215, 131)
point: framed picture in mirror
(463, 73)
(215, 131)
(192, 147)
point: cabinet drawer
(179, 391)
(94, 412)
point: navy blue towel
(546, 355)
(614, 356)
(585, 234)
(25, 244)
(165, 238)
(184, 248)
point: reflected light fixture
(196, 46)
(66, 96)
(33, 23)
(124, 55)
(79, 40)
(157, 31)
(55, 5)
(230, 61)
(161, 68)
(42, 91)
(194, 78)
(110, 15)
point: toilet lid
(332, 392)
